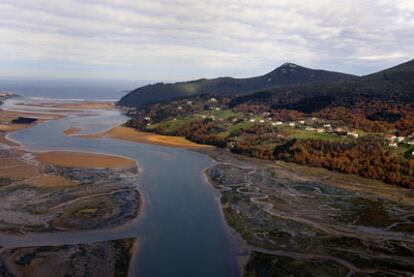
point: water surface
(181, 231)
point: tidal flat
(60, 198)
(309, 225)
(108, 258)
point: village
(215, 110)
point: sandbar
(130, 134)
(84, 160)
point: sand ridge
(130, 134)
(71, 131)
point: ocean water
(70, 89)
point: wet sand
(87, 105)
(130, 134)
(71, 131)
(84, 160)
(18, 165)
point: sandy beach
(130, 134)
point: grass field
(302, 134)
(222, 114)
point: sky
(167, 40)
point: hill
(288, 74)
(393, 85)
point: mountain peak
(287, 68)
(289, 65)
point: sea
(70, 89)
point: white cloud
(165, 39)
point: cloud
(180, 39)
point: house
(302, 122)
(320, 130)
(189, 102)
(212, 100)
(353, 134)
(392, 144)
(252, 120)
(410, 142)
(340, 131)
(261, 121)
(292, 124)
(390, 137)
(217, 109)
(179, 108)
(147, 118)
(310, 129)
(400, 139)
(327, 125)
(278, 123)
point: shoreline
(236, 240)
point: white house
(400, 139)
(390, 137)
(392, 144)
(292, 124)
(353, 134)
(252, 120)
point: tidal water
(76, 89)
(180, 231)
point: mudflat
(84, 160)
